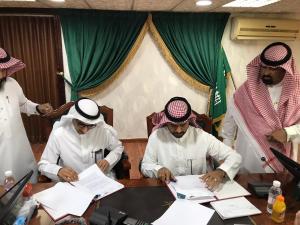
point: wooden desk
(263, 219)
(42, 218)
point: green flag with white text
(218, 106)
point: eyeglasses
(83, 125)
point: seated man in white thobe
(78, 141)
(265, 111)
(15, 150)
(176, 148)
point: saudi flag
(218, 106)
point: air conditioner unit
(245, 28)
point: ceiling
(284, 6)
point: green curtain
(194, 40)
(97, 43)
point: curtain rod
(33, 15)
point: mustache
(178, 134)
(266, 79)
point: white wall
(148, 83)
(241, 52)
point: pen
(97, 196)
(191, 164)
(71, 184)
(96, 152)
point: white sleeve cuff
(50, 170)
(230, 174)
(291, 132)
(156, 169)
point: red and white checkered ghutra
(178, 109)
(9, 63)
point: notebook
(74, 198)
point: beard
(178, 135)
(2, 82)
(268, 80)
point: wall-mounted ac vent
(243, 28)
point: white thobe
(79, 151)
(15, 150)
(187, 155)
(245, 144)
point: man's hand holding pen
(67, 174)
(165, 175)
(213, 178)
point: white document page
(230, 189)
(63, 199)
(185, 212)
(96, 182)
(234, 207)
(192, 187)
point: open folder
(74, 198)
(191, 187)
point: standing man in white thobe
(78, 141)
(265, 111)
(15, 150)
(177, 147)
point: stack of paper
(65, 198)
(185, 212)
(191, 187)
(235, 207)
(94, 181)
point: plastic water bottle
(274, 191)
(9, 180)
(279, 207)
(21, 220)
